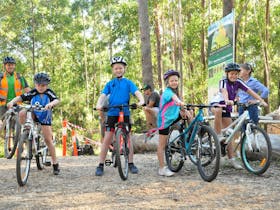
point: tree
(144, 25)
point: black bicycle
(10, 131)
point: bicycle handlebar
(106, 108)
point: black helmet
(42, 78)
(232, 67)
(118, 59)
(169, 73)
(9, 60)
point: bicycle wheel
(256, 151)
(42, 154)
(174, 151)
(122, 152)
(23, 158)
(208, 153)
(11, 136)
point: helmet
(118, 59)
(169, 73)
(42, 78)
(232, 67)
(9, 60)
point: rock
(140, 146)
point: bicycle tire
(122, 152)
(40, 157)
(208, 153)
(24, 157)
(174, 154)
(11, 139)
(256, 157)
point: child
(227, 95)
(119, 89)
(46, 97)
(169, 114)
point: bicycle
(120, 143)
(198, 141)
(31, 144)
(11, 131)
(255, 145)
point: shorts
(165, 131)
(43, 117)
(112, 120)
(225, 113)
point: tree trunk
(227, 7)
(144, 25)
(202, 37)
(180, 51)
(33, 38)
(157, 33)
(265, 51)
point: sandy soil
(78, 188)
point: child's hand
(49, 106)
(9, 105)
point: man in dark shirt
(151, 109)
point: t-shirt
(34, 97)
(168, 110)
(155, 98)
(119, 90)
(232, 89)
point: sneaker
(99, 170)
(235, 164)
(165, 171)
(132, 168)
(56, 170)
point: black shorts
(112, 120)
(225, 113)
(166, 130)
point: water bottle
(229, 131)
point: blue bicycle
(198, 141)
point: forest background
(73, 41)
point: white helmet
(118, 59)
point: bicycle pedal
(108, 162)
(47, 163)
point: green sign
(221, 41)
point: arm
(140, 97)
(14, 101)
(27, 89)
(256, 96)
(52, 104)
(178, 102)
(100, 101)
(225, 96)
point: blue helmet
(9, 60)
(42, 78)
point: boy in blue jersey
(119, 89)
(44, 96)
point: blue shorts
(43, 117)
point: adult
(12, 84)
(151, 109)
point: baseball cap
(146, 87)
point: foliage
(74, 40)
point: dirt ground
(78, 188)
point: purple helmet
(169, 73)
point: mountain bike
(31, 144)
(121, 142)
(198, 141)
(255, 145)
(10, 131)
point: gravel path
(77, 187)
